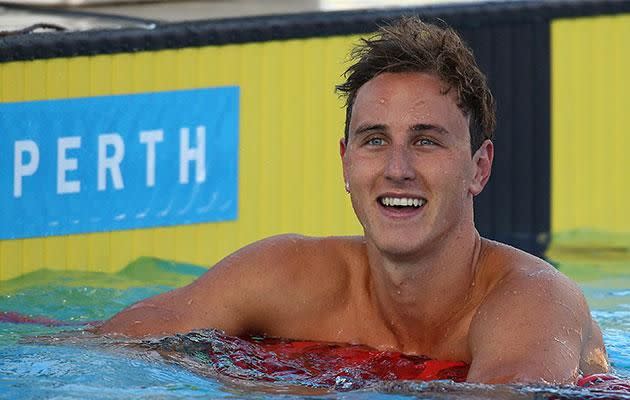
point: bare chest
(347, 325)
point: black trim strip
(281, 27)
(69, 13)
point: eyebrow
(363, 129)
(429, 127)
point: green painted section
(145, 271)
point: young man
(417, 150)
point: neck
(417, 295)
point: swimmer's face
(408, 165)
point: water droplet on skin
(382, 101)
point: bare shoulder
(531, 317)
(271, 286)
(283, 280)
(290, 259)
(528, 282)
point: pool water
(44, 361)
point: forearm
(144, 319)
(524, 372)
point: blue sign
(118, 162)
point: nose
(399, 165)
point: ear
(482, 160)
(342, 147)
(342, 152)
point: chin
(398, 247)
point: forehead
(407, 98)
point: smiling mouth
(402, 202)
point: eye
(425, 142)
(376, 141)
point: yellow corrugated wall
(289, 169)
(591, 131)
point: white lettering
(111, 164)
(20, 169)
(110, 155)
(67, 164)
(150, 138)
(187, 154)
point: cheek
(456, 179)
(360, 169)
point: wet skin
(420, 280)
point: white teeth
(402, 202)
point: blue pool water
(43, 362)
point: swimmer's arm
(530, 330)
(176, 311)
(237, 296)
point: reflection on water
(207, 364)
(210, 363)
